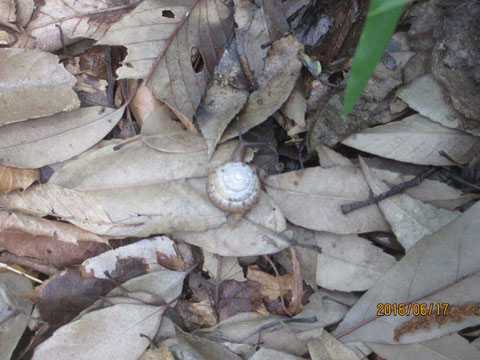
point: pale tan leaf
(110, 333)
(21, 223)
(329, 158)
(33, 84)
(225, 96)
(161, 353)
(164, 134)
(312, 198)
(12, 178)
(282, 68)
(39, 142)
(410, 219)
(416, 140)
(15, 310)
(349, 263)
(144, 103)
(451, 347)
(136, 164)
(439, 268)
(259, 227)
(77, 19)
(427, 96)
(150, 30)
(74, 206)
(230, 268)
(269, 354)
(7, 12)
(24, 11)
(295, 108)
(327, 347)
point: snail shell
(233, 187)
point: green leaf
(314, 67)
(382, 19)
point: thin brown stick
(347, 208)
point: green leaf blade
(381, 22)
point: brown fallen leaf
(77, 20)
(272, 287)
(29, 144)
(441, 268)
(312, 198)
(199, 311)
(282, 68)
(28, 91)
(144, 103)
(410, 218)
(416, 140)
(177, 81)
(12, 178)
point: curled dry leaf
(440, 268)
(144, 103)
(416, 140)
(322, 192)
(33, 84)
(29, 144)
(410, 218)
(282, 68)
(151, 30)
(12, 178)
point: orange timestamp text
(416, 309)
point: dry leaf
(20, 223)
(15, 311)
(144, 103)
(312, 198)
(29, 144)
(327, 347)
(282, 68)
(33, 84)
(416, 140)
(176, 81)
(136, 164)
(229, 270)
(272, 287)
(295, 108)
(78, 20)
(269, 354)
(164, 134)
(12, 178)
(329, 158)
(444, 265)
(451, 347)
(427, 96)
(110, 333)
(410, 219)
(161, 353)
(24, 11)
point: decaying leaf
(39, 142)
(410, 218)
(150, 30)
(269, 354)
(327, 347)
(78, 20)
(312, 198)
(15, 311)
(33, 84)
(441, 268)
(272, 287)
(12, 178)
(416, 140)
(229, 267)
(282, 68)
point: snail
(234, 187)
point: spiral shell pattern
(233, 187)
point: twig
(449, 158)
(457, 178)
(42, 267)
(347, 208)
(111, 78)
(9, 268)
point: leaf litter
(113, 116)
